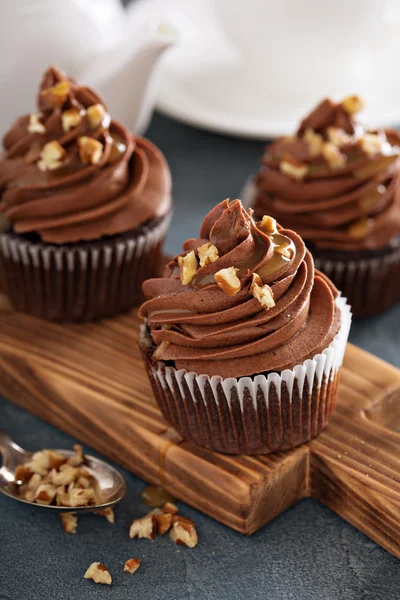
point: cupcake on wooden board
(88, 206)
(243, 340)
(336, 183)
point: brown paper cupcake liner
(81, 282)
(371, 285)
(250, 415)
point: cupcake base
(250, 415)
(368, 279)
(85, 281)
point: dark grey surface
(308, 553)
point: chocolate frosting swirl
(343, 195)
(127, 187)
(201, 328)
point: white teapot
(97, 41)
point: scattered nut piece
(337, 136)
(268, 225)
(45, 493)
(108, 513)
(143, 528)
(95, 115)
(132, 565)
(188, 267)
(228, 280)
(52, 156)
(35, 125)
(353, 104)
(169, 507)
(55, 96)
(90, 150)
(361, 228)
(184, 532)
(98, 573)
(163, 522)
(370, 143)
(69, 522)
(70, 119)
(262, 292)
(208, 253)
(159, 351)
(293, 168)
(314, 141)
(332, 155)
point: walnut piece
(163, 522)
(361, 228)
(98, 573)
(188, 267)
(132, 565)
(45, 493)
(55, 96)
(183, 531)
(262, 292)
(143, 528)
(353, 104)
(293, 168)
(52, 156)
(337, 136)
(228, 280)
(90, 150)
(70, 119)
(333, 156)
(314, 141)
(268, 225)
(169, 507)
(208, 253)
(35, 125)
(95, 115)
(22, 473)
(370, 143)
(78, 459)
(69, 522)
(108, 513)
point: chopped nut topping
(159, 351)
(95, 115)
(337, 136)
(370, 143)
(183, 531)
(268, 225)
(90, 150)
(70, 119)
(132, 565)
(143, 528)
(208, 253)
(108, 513)
(170, 508)
(52, 156)
(56, 95)
(361, 228)
(188, 267)
(314, 141)
(228, 281)
(293, 168)
(69, 522)
(353, 104)
(35, 125)
(163, 522)
(284, 250)
(98, 573)
(333, 156)
(262, 292)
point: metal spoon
(111, 484)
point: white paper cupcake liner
(252, 415)
(83, 282)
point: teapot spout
(127, 77)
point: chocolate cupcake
(336, 183)
(88, 205)
(243, 339)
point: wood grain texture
(89, 381)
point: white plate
(219, 95)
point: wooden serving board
(88, 380)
